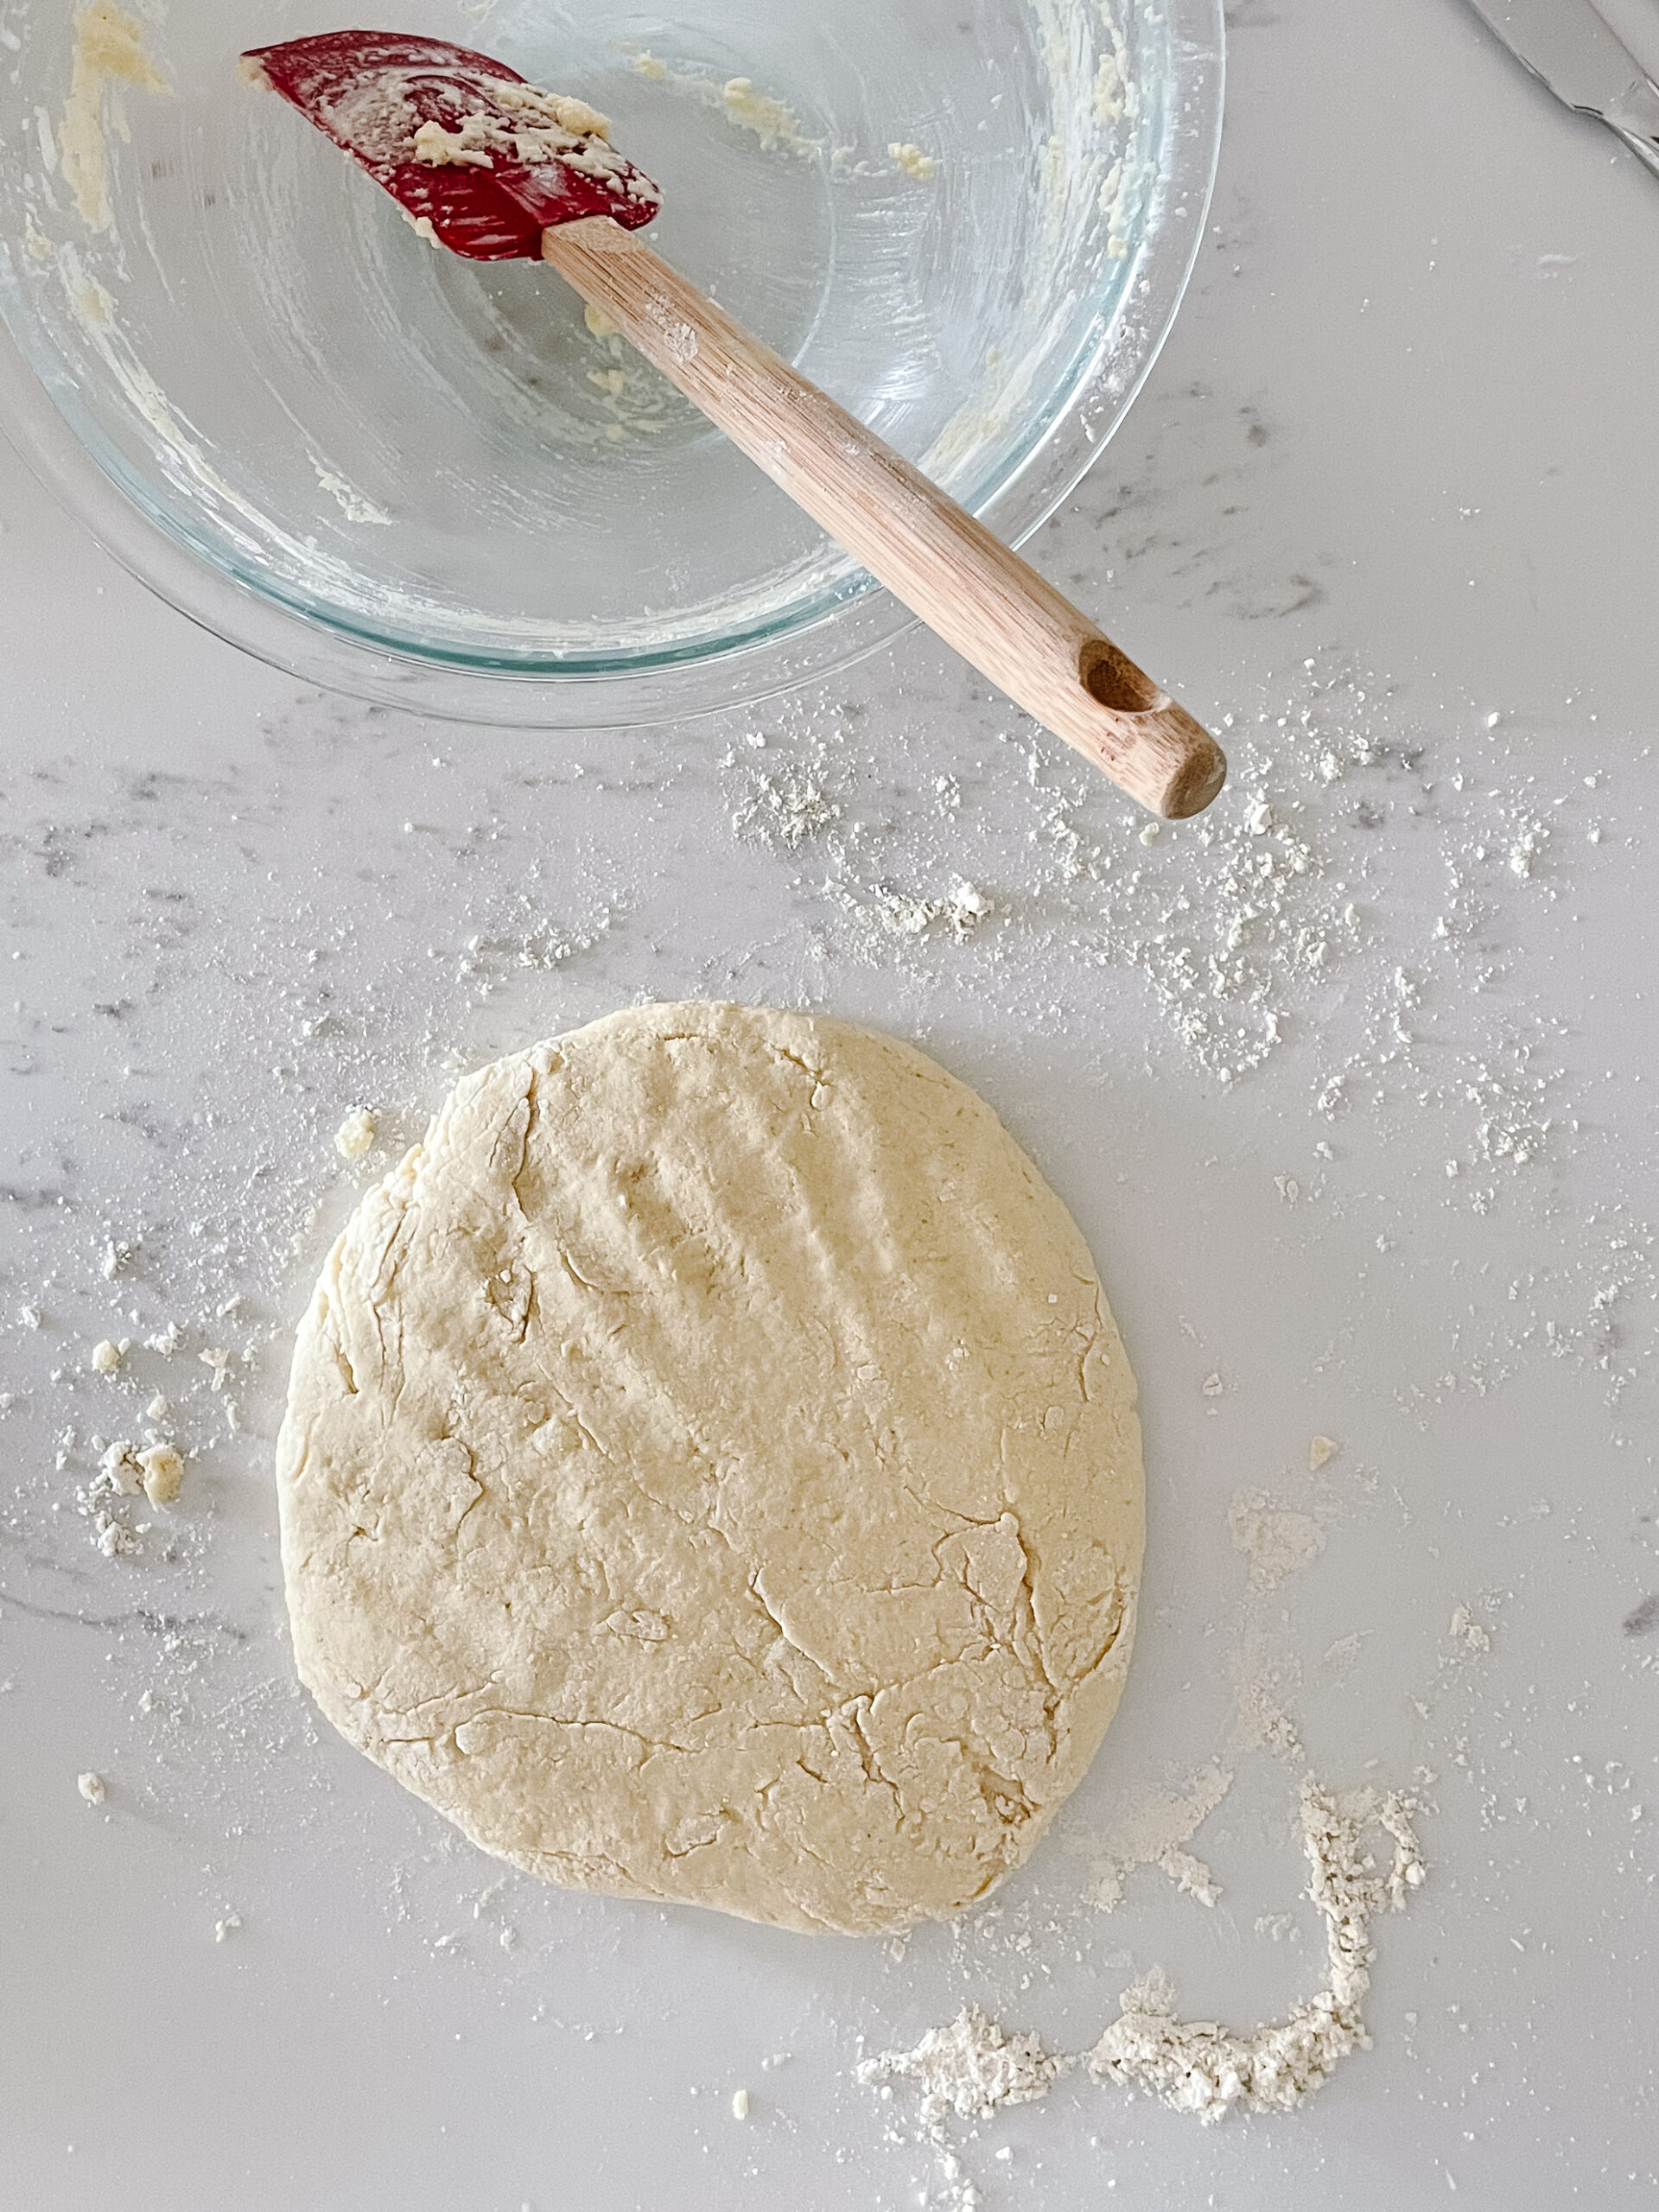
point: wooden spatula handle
(929, 552)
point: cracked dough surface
(711, 1474)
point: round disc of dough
(711, 1474)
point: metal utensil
(1568, 46)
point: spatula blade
(460, 142)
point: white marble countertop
(1350, 1087)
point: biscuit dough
(711, 1474)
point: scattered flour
(1320, 1453)
(92, 1787)
(1276, 1540)
(970, 2068)
(786, 810)
(1195, 2066)
(1150, 1832)
(882, 912)
(1261, 1721)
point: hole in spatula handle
(1112, 679)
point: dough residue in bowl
(109, 52)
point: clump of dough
(912, 161)
(544, 127)
(711, 1474)
(357, 1133)
(163, 1474)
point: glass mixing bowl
(425, 480)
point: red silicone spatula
(501, 171)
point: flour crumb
(1199, 2067)
(1467, 1631)
(119, 1470)
(357, 1133)
(1275, 1540)
(92, 1787)
(739, 2104)
(786, 810)
(106, 1357)
(112, 1538)
(970, 2068)
(228, 1926)
(116, 1256)
(1320, 1451)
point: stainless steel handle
(1635, 117)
